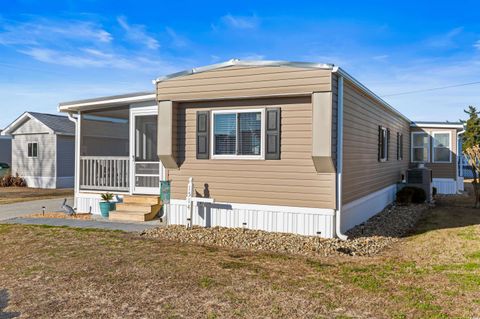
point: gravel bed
(366, 239)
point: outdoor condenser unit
(421, 177)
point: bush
(411, 194)
(9, 181)
(434, 191)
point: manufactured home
(43, 149)
(279, 146)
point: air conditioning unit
(421, 177)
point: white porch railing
(109, 173)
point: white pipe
(338, 211)
(77, 153)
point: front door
(147, 169)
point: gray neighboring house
(5, 149)
(43, 149)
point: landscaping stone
(366, 239)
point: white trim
(18, 122)
(432, 133)
(238, 157)
(412, 147)
(436, 125)
(360, 210)
(106, 102)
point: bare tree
(473, 156)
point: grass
(70, 273)
(9, 195)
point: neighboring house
(437, 144)
(279, 146)
(5, 149)
(43, 149)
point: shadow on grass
(4, 299)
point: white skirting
(445, 185)
(297, 220)
(362, 209)
(41, 181)
(89, 203)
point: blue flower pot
(105, 208)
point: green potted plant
(106, 205)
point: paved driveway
(8, 211)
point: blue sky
(54, 51)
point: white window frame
(385, 145)
(412, 147)
(231, 156)
(433, 133)
(28, 143)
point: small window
(238, 134)
(420, 146)
(399, 146)
(383, 144)
(32, 149)
(441, 147)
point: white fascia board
(13, 126)
(107, 102)
(368, 92)
(428, 125)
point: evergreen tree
(471, 137)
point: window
(441, 147)
(399, 146)
(238, 134)
(32, 150)
(420, 146)
(383, 139)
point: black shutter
(379, 155)
(272, 134)
(203, 133)
(388, 144)
(398, 146)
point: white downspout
(338, 212)
(76, 178)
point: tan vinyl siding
(362, 172)
(242, 81)
(441, 170)
(290, 181)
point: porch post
(78, 139)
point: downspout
(459, 159)
(77, 153)
(338, 212)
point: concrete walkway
(98, 224)
(8, 211)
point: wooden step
(124, 215)
(152, 200)
(134, 207)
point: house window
(383, 136)
(32, 150)
(399, 146)
(238, 134)
(420, 146)
(441, 147)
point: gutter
(338, 211)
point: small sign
(165, 191)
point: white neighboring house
(5, 149)
(43, 149)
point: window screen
(237, 133)
(441, 147)
(32, 150)
(420, 147)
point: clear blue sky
(53, 51)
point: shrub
(418, 194)
(434, 191)
(9, 181)
(404, 196)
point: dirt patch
(10, 195)
(61, 216)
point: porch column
(166, 135)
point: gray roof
(58, 123)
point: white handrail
(110, 173)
